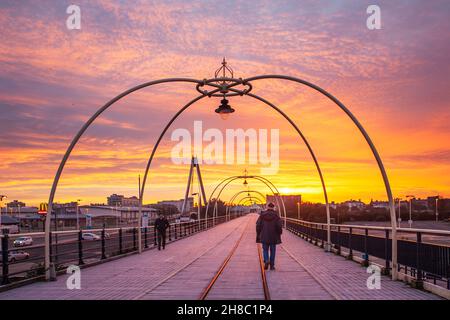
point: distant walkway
(186, 267)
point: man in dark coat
(268, 232)
(161, 225)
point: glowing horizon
(395, 80)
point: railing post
(386, 250)
(145, 237)
(418, 267)
(350, 249)
(120, 241)
(50, 247)
(310, 233)
(176, 236)
(366, 254)
(5, 262)
(338, 240)
(134, 239)
(184, 229)
(80, 248)
(316, 237)
(170, 233)
(103, 244)
(321, 236)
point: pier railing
(72, 247)
(423, 254)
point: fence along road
(186, 267)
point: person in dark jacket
(161, 225)
(268, 232)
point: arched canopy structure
(224, 183)
(231, 202)
(252, 200)
(245, 191)
(226, 86)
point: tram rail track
(224, 264)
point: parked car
(90, 236)
(23, 241)
(14, 256)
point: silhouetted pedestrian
(161, 225)
(268, 232)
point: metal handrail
(94, 230)
(407, 230)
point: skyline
(395, 80)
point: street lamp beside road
(78, 215)
(2, 197)
(298, 210)
(437, 212)
(399, 219)
(410, 197)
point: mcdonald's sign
(43, 208)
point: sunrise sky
(395, 80)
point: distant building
(380, 204)
(112, 215)
(288, 199)
(420, 204)
(118, 200)
(354, 205)
(179, 203)
(130, 202)
(15, 204)
(10, 223)
(115, 200)
(61, 209)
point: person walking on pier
(161, 225)
(268, 232)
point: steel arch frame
(247, 199)
(222, 87)
(242, 202)
(266, 181)
(236, 195)
(243, 191)
(369, 142)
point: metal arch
(233, 178)
(372, 148)
(311, 152)
(150, 159)
(288, 119)
(266, 181)
(260, 201)
(237, 194)
(73, 144)
(243, 191)
(236, 82)
(247, 199)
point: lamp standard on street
(2, 197)
(410, 197)
(78, 215)
(298, 210)
(399, 219)
(437, 212)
